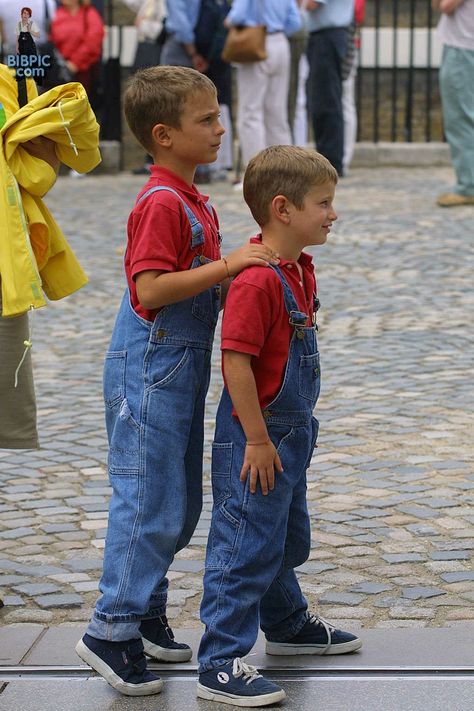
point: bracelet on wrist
(257, 444)
(226, 267)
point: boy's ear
(280, 208)
(161, 135)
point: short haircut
(283, 170)
(158, 95)
(28, 10)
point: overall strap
(297, 317)
(197, 234)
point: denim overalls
(156, 377)
(256, 541)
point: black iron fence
(397, 81)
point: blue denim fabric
(256, 541)
(156, 377)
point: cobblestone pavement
(391, 487)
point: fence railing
(397, 92)
(397, 87)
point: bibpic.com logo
(29, 65)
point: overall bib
(256, 541)
(156, 377)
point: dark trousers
(326, 52)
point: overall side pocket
(122, 430)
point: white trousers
(262, 92)
(349, 111)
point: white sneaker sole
(147, 689)
(166, 655)
(204, 692)
(282, 649)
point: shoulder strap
(297, 317)
(197, 235)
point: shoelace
(248, 672)
(316, 620)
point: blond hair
(158, 95)
(283, 170)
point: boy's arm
(261, 457)
(157, 288)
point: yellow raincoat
(34, 254)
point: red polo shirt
(256, 321)
(159, 233)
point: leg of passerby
(252, 82)
(457, 95)
(275, 107)
(18, 403)
(349, 113)
(326, 50)
(300, 126)
(298, 43)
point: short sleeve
(158, 235)
(250, 311)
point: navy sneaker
(122, 664)
(238, 684)
(158, 641)
(315, 637)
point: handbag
(245, 44)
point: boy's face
(311, 225)
(198, 139)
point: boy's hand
(251, 254)
(44, 148)
(261, 460)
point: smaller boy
(156, 375)
(264, 439)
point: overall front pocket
(309, 377)
(206, 305)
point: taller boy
(157, 373)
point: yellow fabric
(34, 254)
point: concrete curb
(411, 155)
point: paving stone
(451, 555)
(64, 600)
(32, 589)
(81, 565)
(403, 557)
(187, 566)
(418, 593)
(315, 568)
(370, 588)
(13, 600)
(458, 576)
(409, 410)
(341, 599)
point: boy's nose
(220, 129)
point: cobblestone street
(391, 486)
